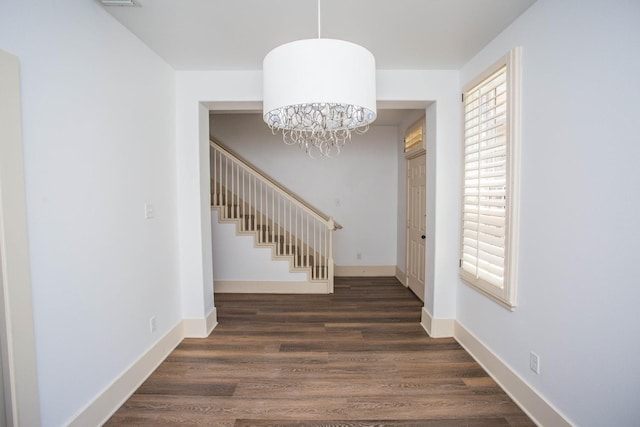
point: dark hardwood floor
(358, 357)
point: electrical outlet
(534, 363)
(338, 203)
(152, 324)
(358, 255)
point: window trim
(507, 295)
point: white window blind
(486, 247)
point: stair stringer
(315, 285)
(277, 217)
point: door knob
(424, 237)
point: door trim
(24, 405)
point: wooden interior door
(416, 223)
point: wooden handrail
(220, 146)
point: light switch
(149, 211)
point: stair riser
(249, 223)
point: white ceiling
(237, 34)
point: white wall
(194, 91)
(236, 257)
(578, 277)
(197, 91)
(363, 178)
(443, 175)
(98, 132)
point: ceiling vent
(118, 2)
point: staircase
(276, 217)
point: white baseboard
(436, 327)
(244, 287)
(98, 411)
(200, 328)
(401, 276)
(364, 270)
(529, 400)
(212, 320)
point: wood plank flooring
(358, 357)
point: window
(414, 136)
(491, 121)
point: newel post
(331, 226)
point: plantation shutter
(414, 137)
(484, 222)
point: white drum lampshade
(316, 91)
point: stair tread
(284, 245)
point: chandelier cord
(319, 20)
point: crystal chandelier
(317, 91)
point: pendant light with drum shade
(317, 91)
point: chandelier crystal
(318, 128)
(317, 91)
